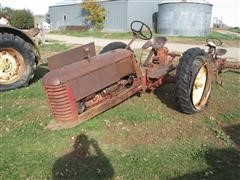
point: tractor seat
(156, 42)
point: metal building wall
(141, 10)
(120, 14)
(184, 18)
(73, 13)
(116, 15)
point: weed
(221, 135)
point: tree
(47, 18)
(22, 19)
(95, 13)
(6, 11)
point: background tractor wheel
(113, 46)
(193, 82)
(17, 62)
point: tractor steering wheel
(215, 41)
(138, 27)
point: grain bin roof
(185, 1)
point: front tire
(17, 62)
(193, 81)
(113, 46)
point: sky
(227, 10)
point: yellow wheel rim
(199, 85)
(12, 65)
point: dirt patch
(177, 126)
(153, 133)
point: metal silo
(184, 17)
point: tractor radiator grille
(62, 103)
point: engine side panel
(101, 78)
(95, 81)
(125, 67)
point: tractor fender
(24, 36)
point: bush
(22, 19)
(6, 12)
(47, 18)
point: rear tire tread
(184, 79)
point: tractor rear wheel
(193, 81)
(17, 62)
(113, 46)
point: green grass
(221, 36)
(235, 29)
(142, 138)
(217, 35)
(96, 34)
(51, 48)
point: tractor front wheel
(193, 81)
(113, 46)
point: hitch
(222, 66)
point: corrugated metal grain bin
(182, 17)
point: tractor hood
(90, 75)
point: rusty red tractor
(81, 84)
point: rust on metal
(161, 56)
(102, 71)
(232, 65)
(61, 102)
(157, 71)
(71, 56)
(81, 84)
(67, 86)
(103, 106)
(156, 43)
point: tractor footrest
(158, 71)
